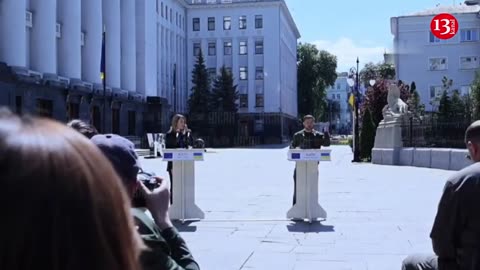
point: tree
(224, 93)
(475, 96)
(386, 71)
(367, 135)
(458, 107)
(316, 71)
(414, 103)
(198, 102)
(380, 71)
(444, 107)
(413, 88)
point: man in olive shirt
(307, 138)
(456, 230)
(165, 248)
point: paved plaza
(376, 214)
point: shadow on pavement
(185, 227)
(305, 227)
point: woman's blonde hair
(175, 120)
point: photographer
(167, 250)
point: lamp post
(355, 84)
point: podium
(183, 207)
(307, 162)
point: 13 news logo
(444, 26)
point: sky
(351, 28)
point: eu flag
(102, 61)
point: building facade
(50, 58)
(257, 42)
(340, 114)
(421, 57)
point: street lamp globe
(350, 82)
(372, 82)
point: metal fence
(430, 132)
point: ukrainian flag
(325, 156)
(198, 156)
(102, 61)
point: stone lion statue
(395, 106)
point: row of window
(437, 90)
(441, 63)
(227, 48)
(227, 23)
(243, 73)
(243, 100)
(466, 35)
(167, 13)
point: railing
(431, 132)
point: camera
(149, 181)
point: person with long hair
(63, 205)
(179, 136)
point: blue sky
(351, 28)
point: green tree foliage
(380, 71)
(475, 96)
(224, 93)
(414, 102)
(198, 102)
(367, 135)
(316, 71)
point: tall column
(252, 91)
(128, 43)
(13, 45)
(111, 20)
(92, 48)
(43, 42)
(69, 46)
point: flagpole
(104, 82)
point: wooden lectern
(183, 207)
(307, 162)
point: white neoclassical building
(50, 53)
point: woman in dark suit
(179, 136)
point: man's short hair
(86, 129)
(308, 116)
(121, 153)
(472, 134)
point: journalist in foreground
(307, 138)
(456, 229)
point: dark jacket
(456, 231)
(174, 140)
(310, 140)
(166, 249)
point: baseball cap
(121, 153)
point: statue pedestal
(388, 141)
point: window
(259, 100)
(132, 120)
(434, 39)
(258, 22)
(196, 24)
(166, 12)
(242, 22)
(176, 19)
(468, 35)
(59, 30)
(227, 23)
(82, 39)
(171, 16)
(465, 90)
(227, 48)
(243, 47)
(435, 91)
(212, 74)
(29, 19)
(338, 86)
(196, 49)
(438, 63)
(115, 121)
(259, 47)
(243, 73)
(229, 70)
(212, 48)
(259, 73)
(162, 9)
(468, 62)
(338, 96)
(211, 23)
(243, 100)
(259, 125)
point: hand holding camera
(158, 201)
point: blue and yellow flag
(102, 61)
